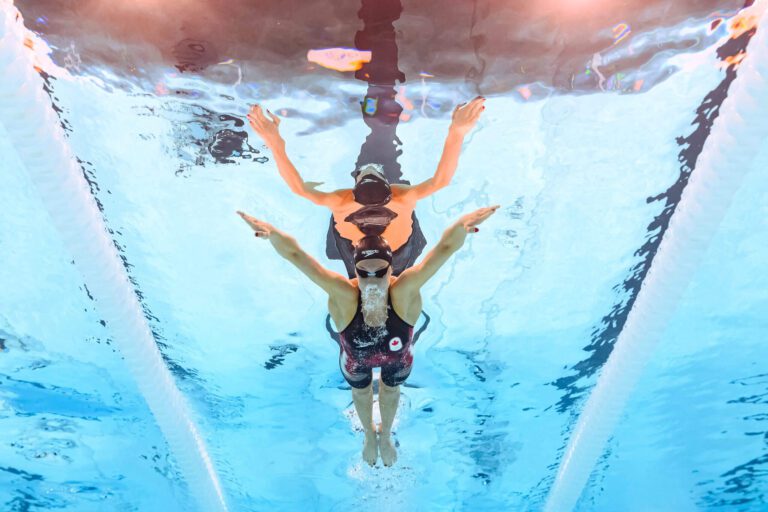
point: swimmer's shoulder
(342, 304)
(347, 290)
(344, 296)
(403, 193)
(406, 300)
(400, 188)
(334, 200)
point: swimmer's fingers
(256, 122)
(261, 229)
(484, 213)
(465, 116)
(275, 119)
(478, 217)
(268, 130)
(256, 115)
(473, 116)
(476, 107)
(256, 112)
(456, 110)
(247, 218)
(487, 212)
(251, 221)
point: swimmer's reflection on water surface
(372, 206)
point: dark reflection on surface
(381, 113)
(495, 44)
(605, 334)
(280, 353)
(201, 136)
(194, 55)
(743, 486)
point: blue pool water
(521, 320)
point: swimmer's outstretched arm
(464, 118)
(451, 241)
(268, 130)
(287, 247)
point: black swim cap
(371, 220)
(372, 190)
(372, 246)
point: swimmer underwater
(373, 206)
(378, 311)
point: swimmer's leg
(363, 399)
(389, 398)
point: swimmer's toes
(370, 450)
(388, 452)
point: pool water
(587, 169)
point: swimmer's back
(402, 203)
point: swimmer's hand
(261, 229)
(465, 116)
(471, 220)
(267, 129)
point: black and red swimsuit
(363, 347)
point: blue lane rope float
(33, 128)
(735, 140)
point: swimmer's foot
(370, 447)
(387, 449)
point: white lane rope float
(33, 128)
(736, 138)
